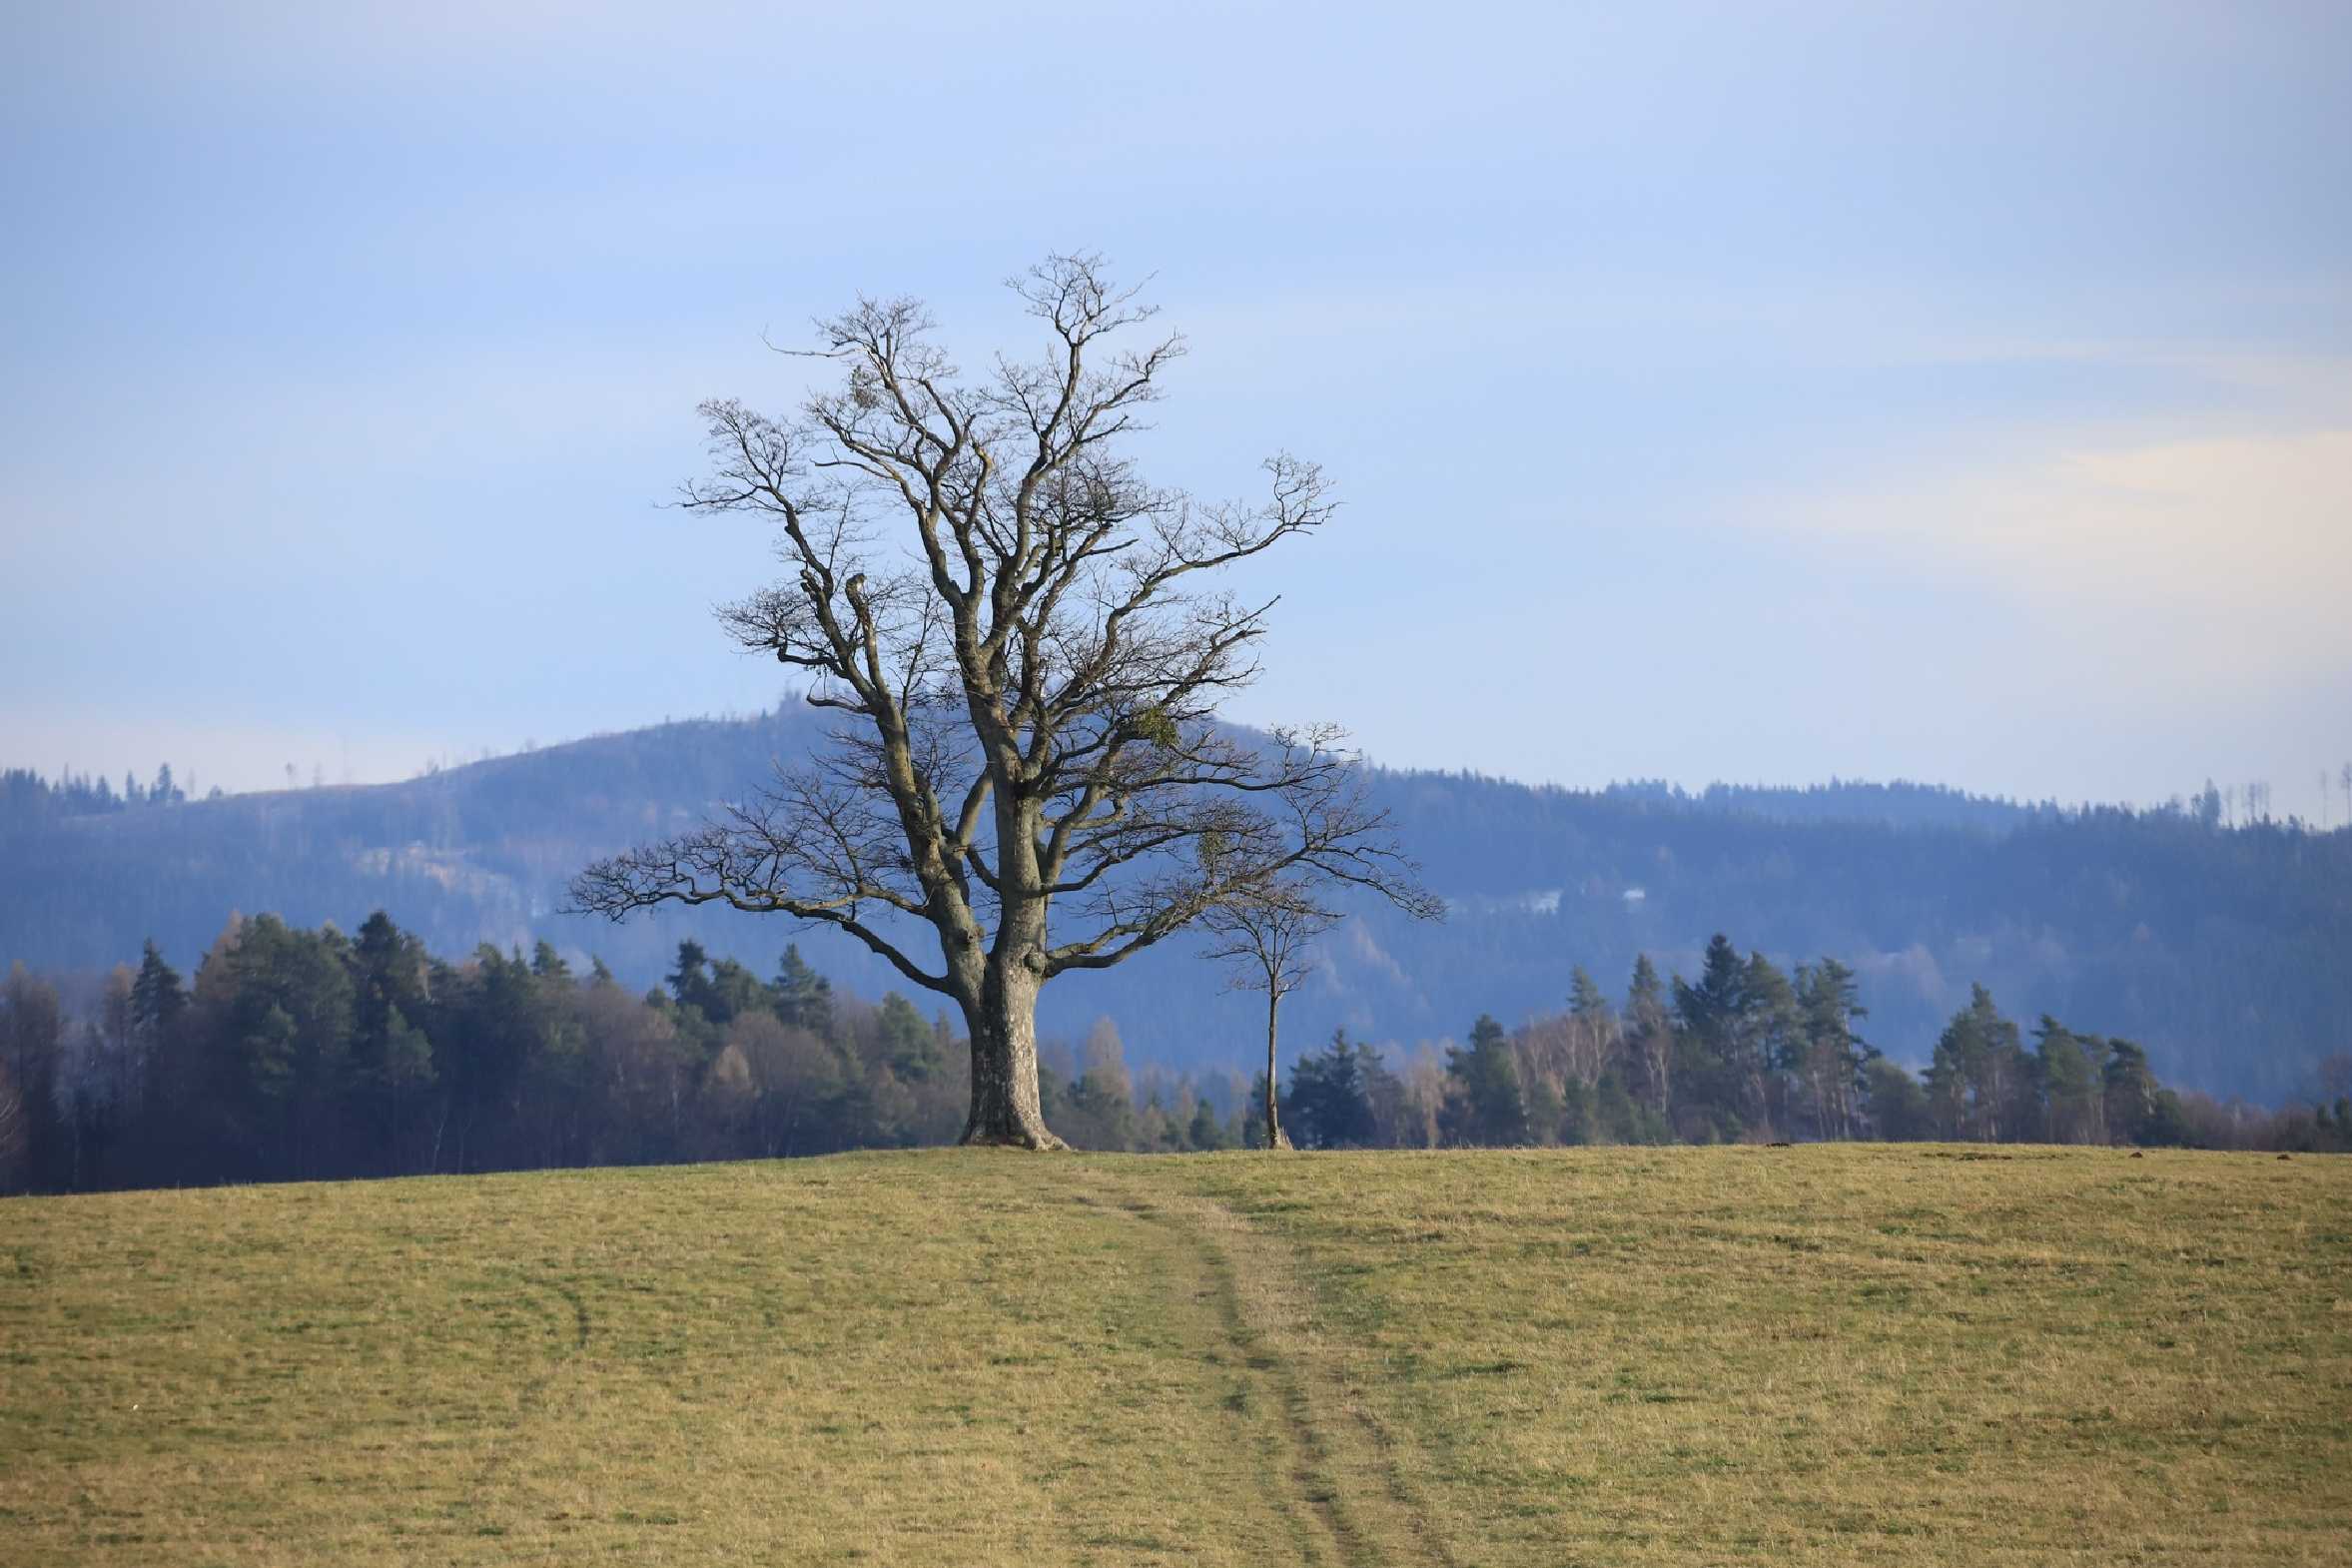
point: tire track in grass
(1198, 1285)
(532, 1399)
(1343, 1472)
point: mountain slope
(2229, 953)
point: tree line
(297, 1053)
(27, 798)
(1745, 1052)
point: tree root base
(1040, 1141)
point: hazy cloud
(2228, 551)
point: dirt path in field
(1340, 1475)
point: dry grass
(1825, 1356)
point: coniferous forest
(294, 1054)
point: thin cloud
(2231, 548)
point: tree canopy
(1023, 640)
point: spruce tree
(1485, 1100)
(157, 996)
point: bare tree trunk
(1275, 1138)
(1005, 1107)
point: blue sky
(1734, 391)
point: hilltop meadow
(1847, 1353)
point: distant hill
(1900, 804)
(2227, 953)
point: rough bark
(1005, 1107)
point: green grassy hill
(1820, 1354)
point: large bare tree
(1018, 633)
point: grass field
(1793, 1356)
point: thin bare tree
(1013, 624)
(1266, 937)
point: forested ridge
(2224, 951)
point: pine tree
(2073, 1104)
(1769, 1044)
(734, 991)
(1708, 1051)
(803, 998)
(392, 1058)
(157, 996)
(690, 981)
(1333, 1097)
(2136, 1105)
(1979, 1076)
(1484, 1098)
(1899, 1109)
(909, 1045)
(1833, 1056)
(1649, 1039)
(1207, 1132)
